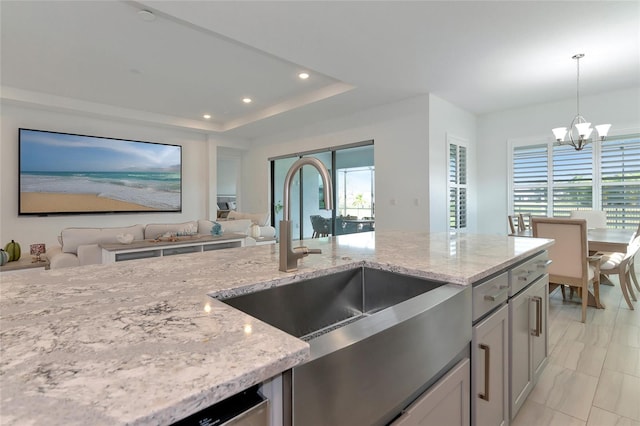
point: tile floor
(593, 374)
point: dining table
(362, 224)
(599, 239)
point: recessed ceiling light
(146, 15)
(206, 116)
(303, 75)
(247, 100)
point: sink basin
(316, 306)
(377, 340)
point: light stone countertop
(140, 342)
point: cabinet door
(528, 340)
(540, 336)
(445, 403)
(520, 377)
(490, 369)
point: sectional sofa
(81, 246)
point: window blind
(457, 186)
(530, 180)
(620, 169)
(572, 180)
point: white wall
(400, 132)
(620, 108)
(229, 172)
(445, 121)
(32, 229)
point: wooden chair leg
(625, 293)
(634, 277)
(627, 279)
(564, 296)
(585, 298)
(596, 292)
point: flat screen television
(63, 173)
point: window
(457, 184)
(604, 176)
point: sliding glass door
(355, 190)
(279, 169)
(313, 202)
(353, 177)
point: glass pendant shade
(584, 129)
(559, 133)
(603, 130)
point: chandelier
(580, 131)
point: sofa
(81, 246)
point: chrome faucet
(289, 256)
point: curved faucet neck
(324, 175)
(289, 257)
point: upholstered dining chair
(321, 226)
(571, 264)
(594, 218)
(623, 265)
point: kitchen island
(141, 342)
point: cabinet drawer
(489, 295)
(527, 272)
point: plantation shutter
(457, 186)
(572, 179)
(530, 180)
(620, 171)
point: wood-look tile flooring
(593, 374)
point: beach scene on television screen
(69, 173)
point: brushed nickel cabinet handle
(538, 330)
(497, 295)
(487, 365)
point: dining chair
(620, 264)
(623, 265)
(524, 221)
(321, 226)
(571, 264)
(594, 218)
(513, 223)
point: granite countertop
(141, 342)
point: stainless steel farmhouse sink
(378, 339)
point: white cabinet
(528, 340)
(445, 403)
(490, 370)
(150, 248)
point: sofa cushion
(236, 226)
(89, 254)
(74, 237)
(267, 231)
(155, 230)
(260, 219)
